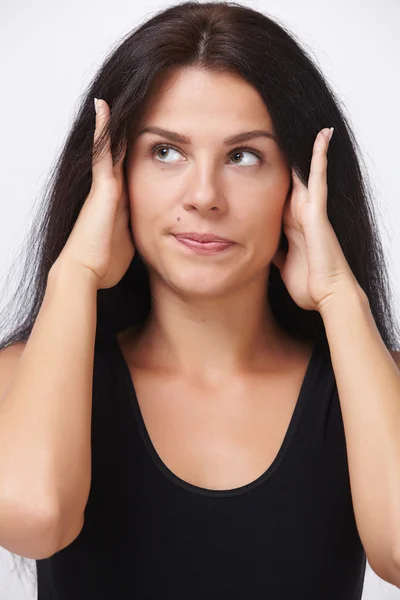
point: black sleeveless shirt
(149, 535)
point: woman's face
(205, 185)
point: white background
(49, 51)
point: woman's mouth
(212, 247)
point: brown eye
(154, 148)
(241, 151)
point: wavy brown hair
(218, 37)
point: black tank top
(148, 534)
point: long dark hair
(220, 37)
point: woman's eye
(156, 149)
(236, 154)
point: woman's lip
(202, 237)
(204, 247)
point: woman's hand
(100, 241)
(314, 269)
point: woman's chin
(199, 286)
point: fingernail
(97, 105)
(330, 134)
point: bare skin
(217, 379)
(222, 436)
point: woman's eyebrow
(179, 138)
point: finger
(319, 156)
(102, 166)
(317, 181)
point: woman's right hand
(100, 241)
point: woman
(207, 274)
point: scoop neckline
(190, 487)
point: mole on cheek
(178, 218)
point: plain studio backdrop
(51, 50)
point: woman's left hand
(314, 270)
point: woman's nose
(205, 195)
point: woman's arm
(45, 422)
(368, 382)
